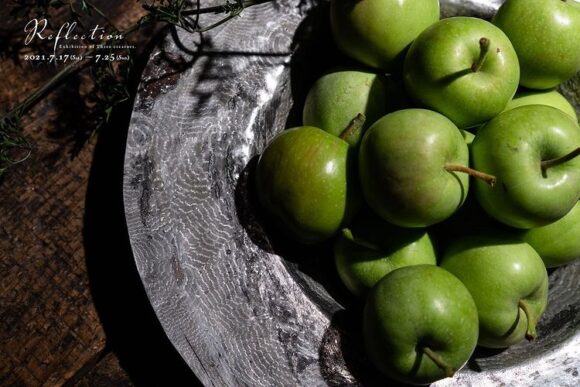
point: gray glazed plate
(240, 305)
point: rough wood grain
(50, 330)
(240, 305)
(48, 325)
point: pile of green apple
(445, 213)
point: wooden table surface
(72, 307)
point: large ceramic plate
(241, 307)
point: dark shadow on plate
(132, 329)
(306, 263)
(164, 70)
(311, 265)
(247, 208)
(482, 353)
(342, 356)
(558, 321)
(216, 68)
(217, 73)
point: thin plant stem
(489, 179)
(102, 14)
(553, 162)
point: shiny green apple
(420, 324)
(557, 243)
(546, 37)
(531, 150)
(370, 248)
(306, 184)
(464, 68)
(542, 97)
(341, 94)
(508, 282)
(377, 32)
(406, 163)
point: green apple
(408, 165)
(508, 282)
(420, 324)
(546, 37)
(306, 184)
(464, 68)
(531, 151)
(340, 95)
(557, 243)
(377, 32)
(370, 248)
(542, 97)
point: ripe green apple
(377, 32)
(420, 324)
(340, 95)
(464, 68)
(508, 282)
(408, 166)
(530, 150)
(370, 248)
(546, 37)
(557, 243)
(306, 184)
(542, 97)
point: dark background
(72, 307)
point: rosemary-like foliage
(110, 80)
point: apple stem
(489, 179)
(353, 131)
(531, 330)
(347, 233)
(484, 49)
(449, 371)
(551, 163)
